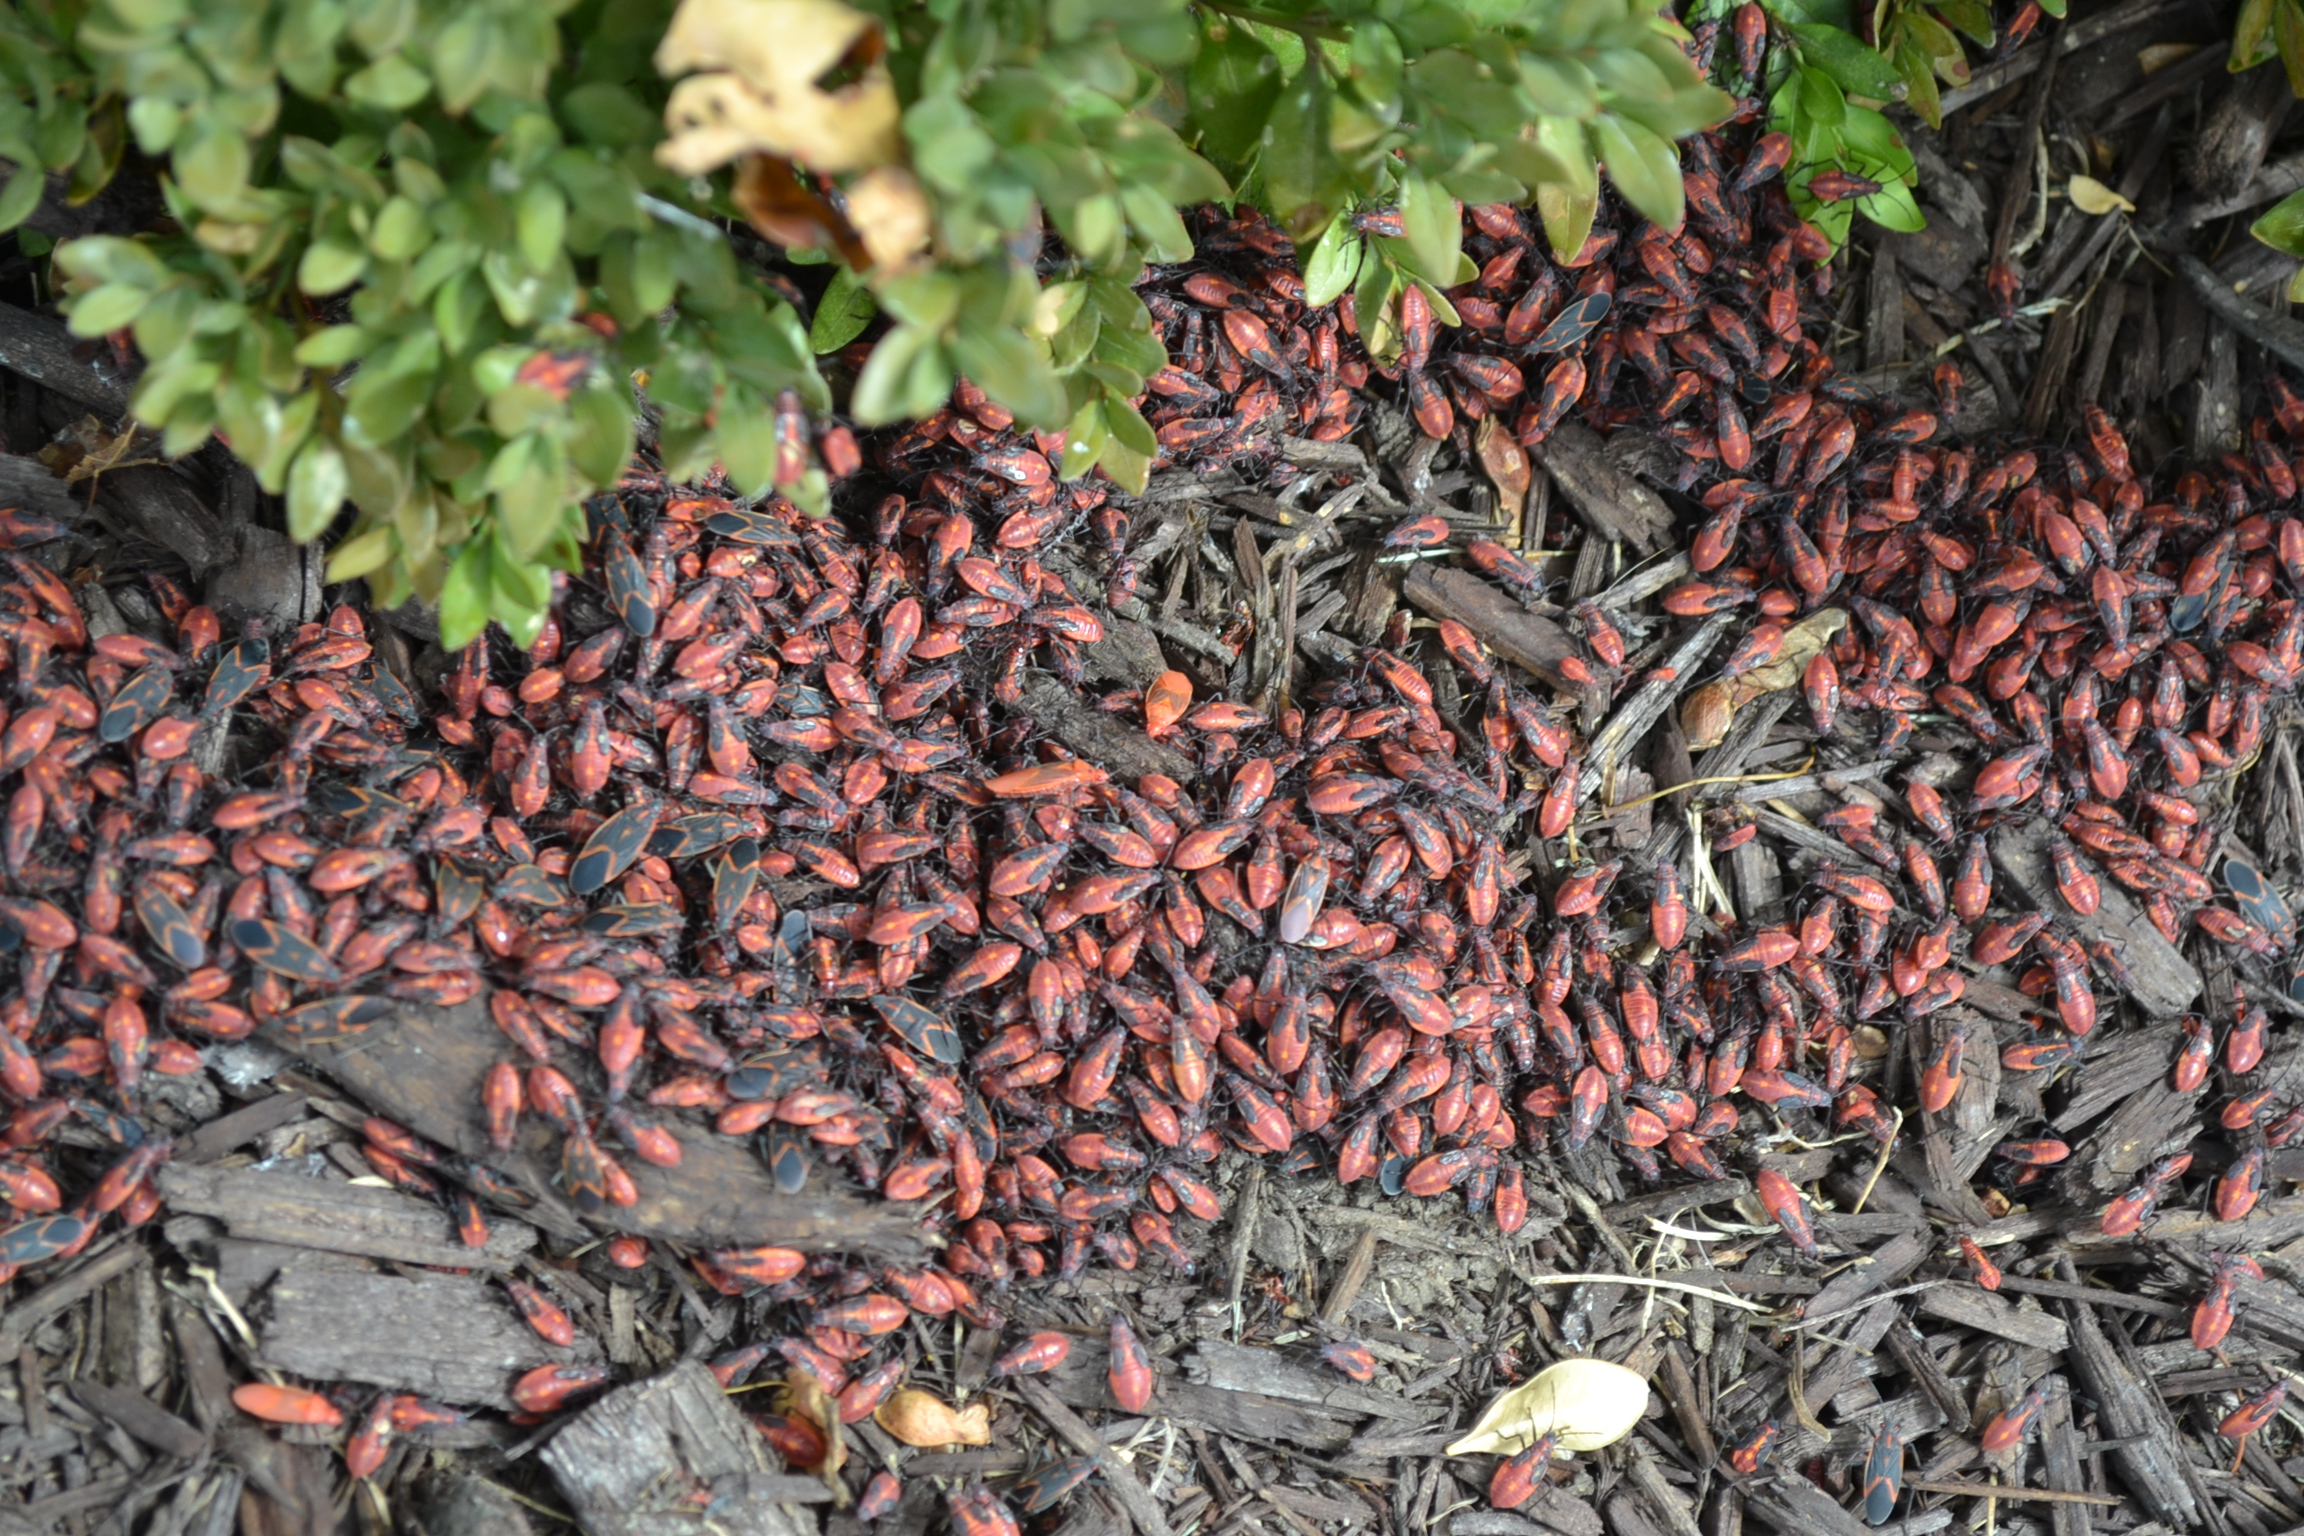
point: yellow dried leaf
(760, 62)
(1706, 714)
(804, 1397)
(1587, 1403)
(921, 1418)
(2091, 196)
(1507, 465)
(2159, 56)
(890, 212)
(1801, 643)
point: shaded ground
(1261, 578)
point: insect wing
(919, 1028)
(1573, 325)
(170, 926)
(331, 1018)
(529, 883)
(1883, 1475)
(138, 702)
(751, 528)
(244, 669)
(43, 1237)
(612, 847)
(284, 951)
(637, 920)
(685, 837)
(735, 874)
(457, 891)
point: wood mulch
(278, 1251)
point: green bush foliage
(421, 251)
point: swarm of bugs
(1043, 1002)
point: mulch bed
(1388, 619)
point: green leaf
(213, 171)
(1302, 176)
(1433, 228)
(842, 314)
(2288, 26)
(1973, 18)
(1921, 94)
(463, 56)
(361, 554)
(879, 393)
(333, 346)
(25, 184)
(2282, 226)
(101, 311)
(390, 84)
(1851, 64)
(1232, 88)
(1892, 207)
(328, 267)
(542, 223)
(2252, 35)
(1158, 226)
(1645, 168)
(1829, 13)
(1084, 439)
(318, 484)
(464, 595)
(1568, 216)
(1013, 371)
(1334, 265)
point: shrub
(420, 251)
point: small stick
(2035, 1495)
(1881, 1166)
(1663, 1285)
(1346, 1290)
(1244, 1234)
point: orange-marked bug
(2007, 1429)
(1883, 1474)
(1515, 1479)
(1128, 1372)
(2254, 1412)
(1040, 1353)
(285, 1405)
(551, 1323)
(1751, 1453)
(1780, 1198)
(551, 1387)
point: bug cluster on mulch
(1044, 1001)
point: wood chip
(1973, 1307)
(670, 1456)
(340, 1218)
(1231, 1367)
(1501, 624)
(2165, 983)
(423, 1067)
(445, 1336)
(1612, 503)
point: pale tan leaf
(889, 210)
(922, 1418)
(753, 68)
(2159, 56)
(1587, 1403)
(2091, 196)
(1507, 465)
